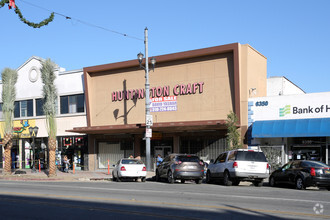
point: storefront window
(75, 148)
(72, 104)
(39, 107)
(23, 108)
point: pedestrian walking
(66, 163)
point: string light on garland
(11, 4)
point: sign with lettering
(163, 104)
(156, 92)
(148, 132)
(311, 105)
(149, 121)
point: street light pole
(147, 101)
(148, 117)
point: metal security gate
(109, 151)
(274, 155)
(206, 149)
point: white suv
(239, 165)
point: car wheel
(272, 182)
(170, 177)
(328, 188)
(300, 183)
(183, 181)
(113, 177)
(208, 177)
(236, 182)
(157, 176)
(118, 178)
(226, 179)
(198, 181)
(258, 183)
(143, 179)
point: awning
(315, 127)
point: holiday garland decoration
(11, 3)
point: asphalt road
(153, 200)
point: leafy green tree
(50, 95)
(9, 79)
(233, 135)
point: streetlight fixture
(33, 133)
(148, 132)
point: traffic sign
(148, 133)
(149, 121)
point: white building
(279, 85)
(28, 113)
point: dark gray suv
(180, 167)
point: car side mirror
(211, 161)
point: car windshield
(130, 161)
(313, 164)
(188, 158)
(251, 156)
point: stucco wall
(214, 102)
(253, 77)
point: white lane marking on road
(183, 193)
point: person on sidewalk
(159, 159)
(66, 163)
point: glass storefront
(309, 148)
(75, 148)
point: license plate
(252, 167)
(191, 167)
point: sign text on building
(179, 89)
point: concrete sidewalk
(78, 175)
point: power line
(82, 22)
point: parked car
(235, 166)
(129, 169)
(302, 174)
(181, 167)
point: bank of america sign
(285, 110)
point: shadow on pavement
(26, 207)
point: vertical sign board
(148, 132)
(149, 121)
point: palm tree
(50, 96)
(9, 79)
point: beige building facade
(191, 95)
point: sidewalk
(78, 175)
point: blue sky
(293, 35)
